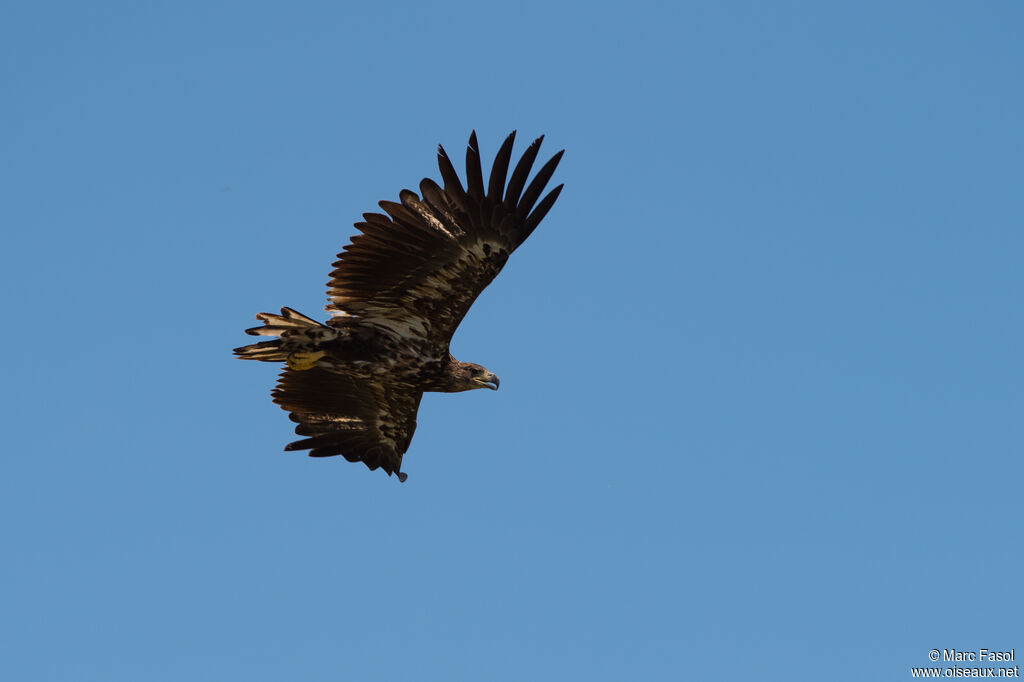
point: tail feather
(267, 351)
(297, 332)
(273, 324)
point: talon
(303, 361)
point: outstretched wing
(363, 421)
(416, 271)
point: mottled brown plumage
(397, 294)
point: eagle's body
(397, 293)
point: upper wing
(363, 421)
(418, 269)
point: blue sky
(760, 413)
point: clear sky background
(760, 412)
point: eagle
(396, 295)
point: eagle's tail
(298, 333)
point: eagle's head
(466, 376)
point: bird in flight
(396, 295)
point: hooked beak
(489, 380)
